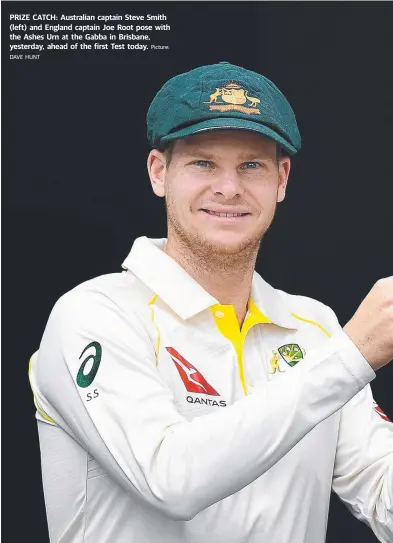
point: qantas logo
(192, 379)
(380, 412)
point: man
(185, 399)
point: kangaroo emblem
(274, 363)
(214, 96)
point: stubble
(195, 250)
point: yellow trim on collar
(227, 323)
(312, 322)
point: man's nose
(228, 184)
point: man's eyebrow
(205, 154)
(252, 156)
(197, 152)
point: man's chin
(210, 245)
(221, 247)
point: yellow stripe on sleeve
(151, 303)
(38, 407)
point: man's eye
(202, 163)
(251, 165)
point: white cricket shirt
(160, 420)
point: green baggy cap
(221, 96)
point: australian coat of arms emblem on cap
(233, 97)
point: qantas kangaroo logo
(192, 379)
(380, 412)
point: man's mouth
(225, 215)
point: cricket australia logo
(233, 97)
(291, 353)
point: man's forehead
(245, 142)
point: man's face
(222, 171)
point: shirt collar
(166, 278)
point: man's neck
(228, 279)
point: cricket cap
(221, 96)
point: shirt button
(219, 314)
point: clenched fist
(371, 327)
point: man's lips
(225, 215)
(226, 209)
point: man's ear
(156, 166)
(284, 168)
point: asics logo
(193, 380)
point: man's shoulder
(289, 302)
(308, 309)
(299, 301)
(118, 292)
